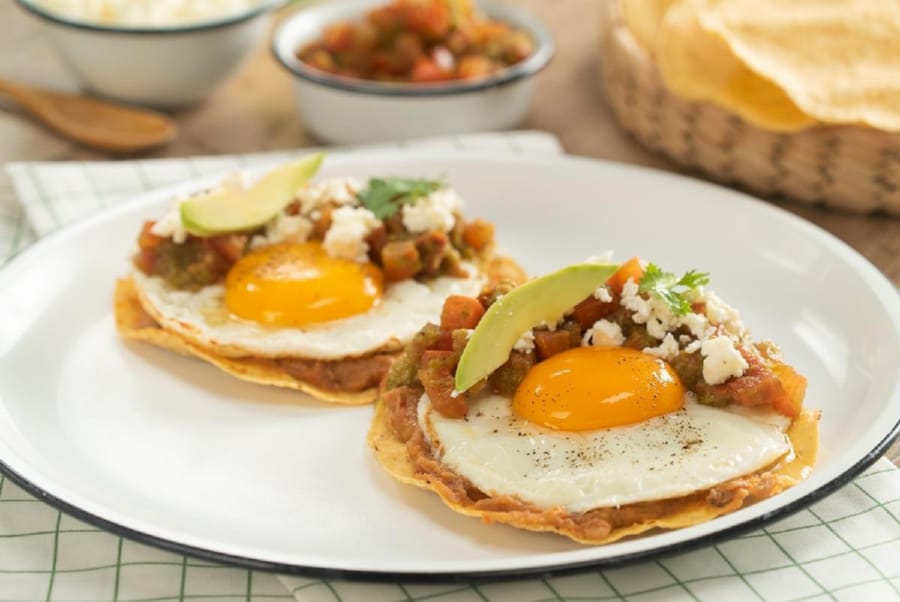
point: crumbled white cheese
(345, 238)
(551, 326)
(652, 312)
(666, 350)
(436, 211)
(336, 191)
(633, 301)
(284, 228)
(602, 294)
(721, 360)
(169, 225)
(603, 334)
(694, 346)
(234, 181)
(720, 313)
(697, 324)
(525, 344)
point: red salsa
(420, 41)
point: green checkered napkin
(846, 547)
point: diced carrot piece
(795, 390)
(460, 312)
(632, 269)
(550, 343)
(478, 234)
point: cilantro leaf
(663, 284)
(384, 196)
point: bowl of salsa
(370, 70)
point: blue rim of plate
(536, 62)
(264, 6)
(470, 576)
(547, 570)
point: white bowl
(346, 111)
(162, 67)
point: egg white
(202, 317)
(668, 456)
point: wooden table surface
(254, 111)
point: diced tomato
(229, 247)
(365, 36)
(381, 63)
(432, 248)
(759, 385)
(376, 240)
(322, 59)
(391, 42)
(460, 312)
(144, 260)
(435, 374)
(632, 269)
(408, 49)
(400, 260)
(589, 311)
(550, 343)
(338, 37)
(432, 19)
(147, 239)
(794, 385)
(426, 70)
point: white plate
(168, 450)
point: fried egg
(294, 300)
(602, 427)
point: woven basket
(848, 167)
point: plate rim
(358, 155)
(556, 570)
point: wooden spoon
(98, 124)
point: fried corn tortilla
(644, 19)
(700, 65)
(634, 519)
(782, 66)
(837, 60)
(136, 321)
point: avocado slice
(543, 299)
(224, 211)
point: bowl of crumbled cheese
(159, 53)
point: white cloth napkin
(844, 547)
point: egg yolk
(298, 284)
(590, 388)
